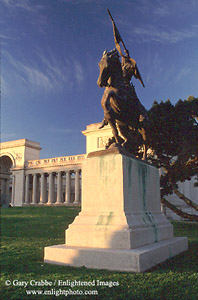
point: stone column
(8, 200)
(3, 193)
(27, 189)
(77, 187)
(35, 187)
(43, 188)
(68, 187)
(38, 188)
(13, 190)
(59, 188)
(51, 189)
(163, 209)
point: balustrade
(54, 188)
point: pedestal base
(121, 226)
(134, 260)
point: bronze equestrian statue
(122, 108)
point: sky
(50, 50)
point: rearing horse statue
(122, 108)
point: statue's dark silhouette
(122, 108)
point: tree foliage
(173, 139)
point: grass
(26, 231)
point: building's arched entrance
(5, 180)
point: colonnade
(53, 188)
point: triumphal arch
(13, 157)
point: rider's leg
(144, 138)
(112, 123)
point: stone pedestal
(121, 226)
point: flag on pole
(118, 39)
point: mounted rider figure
(129, 69)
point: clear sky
(50, 51)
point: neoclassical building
(28, 180)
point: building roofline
(19, 143)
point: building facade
(28, 180)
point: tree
(173, 140)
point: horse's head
(109, 65)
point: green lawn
(26, 231)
